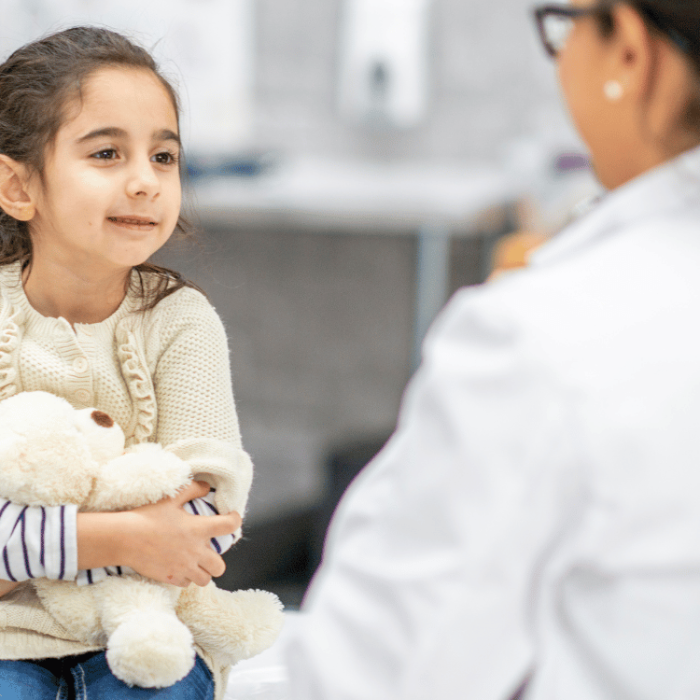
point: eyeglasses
(555, 22)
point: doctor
(533, 526)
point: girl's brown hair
(37, 83)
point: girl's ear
(14, 197)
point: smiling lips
(136, 223)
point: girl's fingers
(202, 574)
(201, 578)
(220, 525)
(212, 565)
(216, 525)
(178, 547)
(180, 582)
(197, 489)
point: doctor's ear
(14, 196)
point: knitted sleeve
(187, 349)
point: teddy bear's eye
(102, 419)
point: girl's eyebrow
(117, 133)
(167, 135)
(113, 131)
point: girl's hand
(173, 546)
(161, 541)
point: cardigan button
(83, 395)
(80, 365)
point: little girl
(89, 190)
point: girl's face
(110, 192)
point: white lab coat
(538, 508)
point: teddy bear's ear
(104, 420)
(102, 435)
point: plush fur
(52, 454)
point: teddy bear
(52, 454)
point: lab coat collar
(660, 191)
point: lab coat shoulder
(496, 330)
(491, 404)
(595, 315)
(606, 337)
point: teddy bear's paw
(264, 615)
(152, 651)
(233, 626)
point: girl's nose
(143, 181)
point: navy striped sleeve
(25, 551)
(42, 539)
(62, 550)
(37, 542)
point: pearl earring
(613, 90)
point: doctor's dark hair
(679, 21)
(38, 83)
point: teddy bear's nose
(102, 419)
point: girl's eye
(105, 154)
(165, 158)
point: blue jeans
(87, 677)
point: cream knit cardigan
(162, 374)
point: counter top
(372, 197)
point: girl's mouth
(132, 222)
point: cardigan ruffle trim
(140, 387)
(10, 336)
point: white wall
(205, 46)
(489, 83)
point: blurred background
(351, 163)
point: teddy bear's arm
(145, 474)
